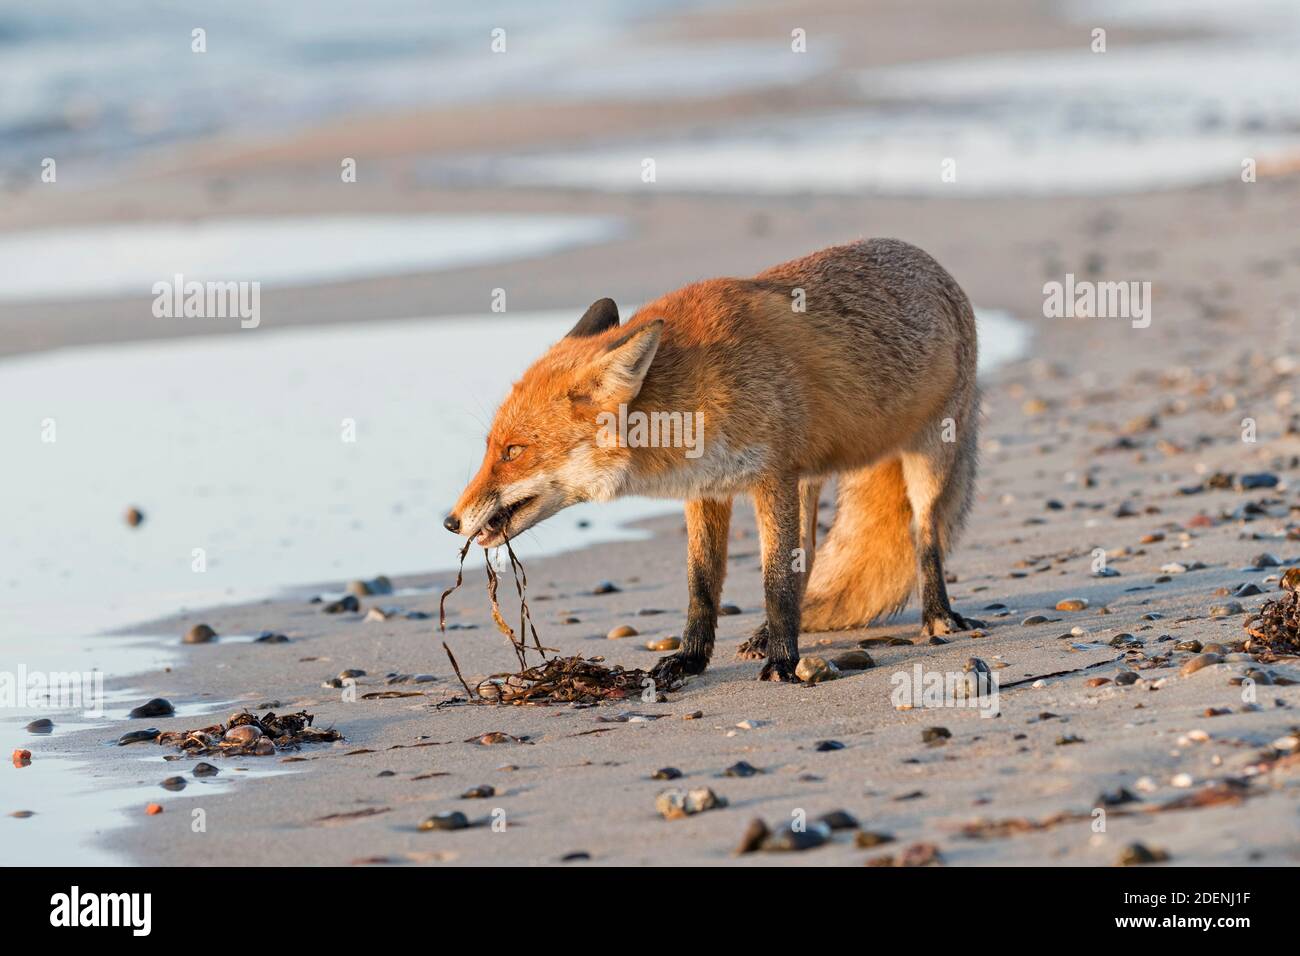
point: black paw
(674, 668)
(950, 623)
(782, 671)
(754, 649)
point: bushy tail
(867, 567)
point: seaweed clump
(246, 735)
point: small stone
(1072, 604)
(1034, 619)
(42, 726)
(1067, 739)
(351, 673)
(1097, 681)
(481, 792)
(22, 758)
(753, 836)
(853, 661)
(666, 773)
(173, 783)
(134, 517)
(22, 814)
(1124, 678)
(139, 737)
(605, 587)
(674, 804)
(1116, 798)
(664, 644)
(1138, 854)
(575, 856)
(270, 637)
(199, 634)
(1247, 590)
(376, 614)
(727, 610)
(347, 603)
(787, 839)
(1198, 662)
(1262, 479)
(623, 630)
(158, 707)
(1193, 646)
(741, 769)
(1182, 781)
(825, 746)
(1264, 560)
(205, 770)
(1226, 610)
(814, 670)
(446, 820)
(243, 735)
(866, 839)
(932, 735)
(839, 820)
(153, 809)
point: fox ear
(602, 315)
(619, 373)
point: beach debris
(675, 804)
(916, 854)
(199, 634)
(570, 680)
(839, 820)
(481, 792)
(666, 773)
(867, 839)
(446, 820)
(42, 726)
(934, 735)
(158, 707)
(623, 630)
(664, 644)
(1276, 626)
(139, 737)
(22, 758)
(153, 809)
(248, 735)
(134, 517)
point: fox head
(543, 452)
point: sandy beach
(1105, 446)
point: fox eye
(512, 452)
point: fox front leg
(707, 523)
(776, 505)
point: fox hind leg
(938, 474)
(755, 648)
(776, 505)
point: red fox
(857, 361)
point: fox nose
(451, 523)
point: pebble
(623, 630)
(134, 517)
(1264, 560)
(173, 783)
(1261, 479)
(153, 809)
(205, 770)
(348, 602)
(853, 661)
(750, 724)
(1124, 678)
(22, 758)
(1198, 662)
(1182, 780)
(158, 707)
(352, 673)
(379, 585)
(1193, 646)
(825, 746)
(664, 644)
(606, 587)
(447, 820)
(814, 670)
(270, 637)
(1226, 610)
(866, 839)
(666, 773)
(1072, 604)
(839, 820)
(481, 792)
(934, 734)
(243, 734)
(1247, 590)
(1117, 797)
(139, 737)
(1097, 681)
(1035, 619)
(42, 726)
(753, 836)
(1137, 854)
(789, 840)
(726, 610)
(674, 804)
(741, 769)
(199, 634)
(22, 814)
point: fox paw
(754, 649)
(951, 623)
(674, 668)
(782, 671)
